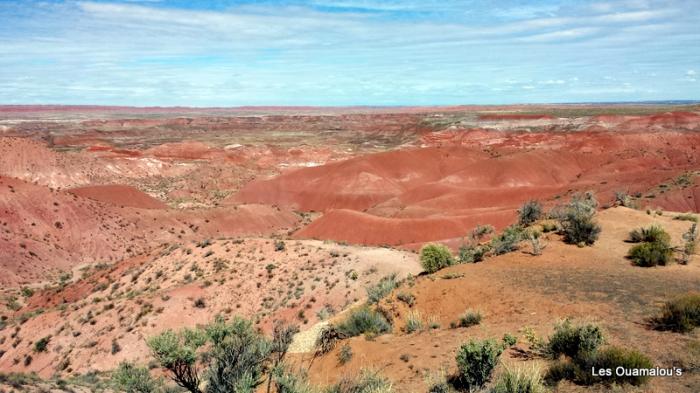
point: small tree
(282, 337)
(434, 257)
(238, 356)
(530, 212)
(131, 378)
(177, 353)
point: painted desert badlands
(409, 249)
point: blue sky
(347, 52)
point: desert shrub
(238, 356)
(536, 242)
(471, 253)
(690, 238)
(560, 370)
(177, 353)
(650, 254)
(476, 361)
(611, 358)
(681, 314)
(131, 378)
(549, 227)
(365, 382)
(469, 318)
(116, 348)
(440, 387)
(327, 339)
(530, 212)
(407, 298)
(622, 199)
(509, 340)
(570, 339)
(41, 344)
(363, 320)
(519, 380)
(651, 234)
(27, 292)
(576, 220)
(286, 381)
(377, 292)
(280, 245)
(18, 380)
(199, 303)
(507, 241)
(414, 322)
(686, 217)
(434, 257)
(438, 382)
(479, 232)
(345, 354)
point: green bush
(440, 387)
(365, 382)
(377, 292)
(286, 381)
(407, 298)
(507, 241)
(238, 354)
(18, 380)
(469, 318)
(414, 322)
(520, 380)
(571, 340)
(576, 220)
(650, 254)
(130, 378)
(560, 370)
(363, 320)
(434, 257)
(177, 353)
(530, 212)
(652, 234)
(345, 354)
(41, 344)
(473, 253)
(509, 340)
(690, 237)
(686, 217)
(611, 358)
(476, 361)
(681, 314)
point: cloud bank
(347, 52)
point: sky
(347, 52)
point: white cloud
(567, 34)
(262, 53)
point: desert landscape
(382, 249)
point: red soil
(437, 193)
(119, 195)
(59, 230)
(514, 116)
